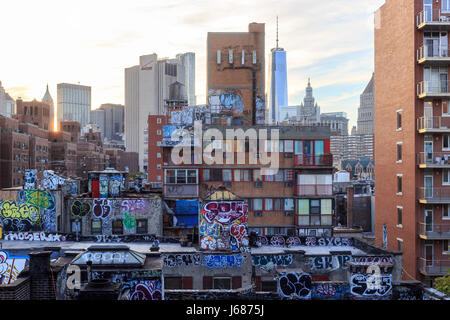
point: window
(288, 146)
(399, 151)
(227, 176)
(446, 177)
(222, 283)
(445, 110)
(237, 175)
(399, 184)
(216, 174)
(445, 247)
(141, 226)
(96, 227)
(289, 204)
(191, 176)
(399, 245)
(173, 283)
(158, 155)
(399, 120)
(268, 204)
(206, 174)
(117, 226)
(158, 120)
(278, 204)
(445, 5)
(315, 207)
(170, 176)
(445, 212)
(281, 145)
(399, 215)
(257, 204)
(445, 142)
(257, 175)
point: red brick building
(35, 112)
(412, 134)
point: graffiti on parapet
(329, 262)
(11, 267)
(30, 179)
(330, 291)
(80, 209)
(51, 181)
(35, 236)
(295, 285)
(282, 260)
(103, 238)
(361, 285)
(292, 241)
(142, 290)
(222, 261)
(179, 260)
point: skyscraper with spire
(49, 100)
(277, 84)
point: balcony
(433, 89)
(314, 220)
(434, 195)
(433, 20)
(434, 56)
(433, 160)
(312, 161)
(433, 267)
(434, 231)
(314, 190)
(433, 124)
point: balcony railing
(436, 124)
(314, 190)
(434, 267)
(432, 17)
(434, 159)
(434, 195)
(434, 55)
(438, 88)
(316, 220)
(434, 231)
(311, 160)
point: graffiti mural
(142, 290)
(115, 183)
(103, 185)
(30, 179)
(178, 260)
(80, 209)
(223, 225)
(101, 208)
(329, 263)
(226, 102)
(35, 236)
(330, 291)
(11, 267)
(283, 260)
(222, 261)
(362, 285)
(292, 241)
(28, 210)
(295, 286)
(51, 181)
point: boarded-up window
(222, 283)
(207, 282)
(172, 283)
(187, 283)
(236, 282)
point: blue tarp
(186, 221)
(186, 207)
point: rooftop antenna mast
(277, 32)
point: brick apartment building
(35, 112)
(412, 135)
(235, 76)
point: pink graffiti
(225, 212)
(102, 209)
(326, 290)
(134, 205)
(239, 232)
(146, 291)
(374, 260)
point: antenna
(277, 32)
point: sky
(91, 42)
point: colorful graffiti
(283, 260)
(292, 241)
(80, 209)
(103, 185)
(101, 208)
(223, 225)
(330, 291)
(30, 179)
(363, 285)
(51, 181)
(9, 195)
(230, 101)
(295, 286)
(11, 267)
(142, 290)
(35, 236)
(115, 183)
(222, 261)
(329, 263)
(178, 260)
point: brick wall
(19, 290)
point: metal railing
(434, 158)
(427, 51)
(431, 228)
(314, 190)
(432, 15)
(432, 266)
(433, 123)
(433, 87)
(312, 160)
(434, 193)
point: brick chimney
(42, 282)
(350, 194)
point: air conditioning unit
(258, 214)
(288, 184)
(288, 155)
(258, 184)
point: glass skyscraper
(277, 86)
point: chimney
(42, 280)
(350, 193)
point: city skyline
(339, 67)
